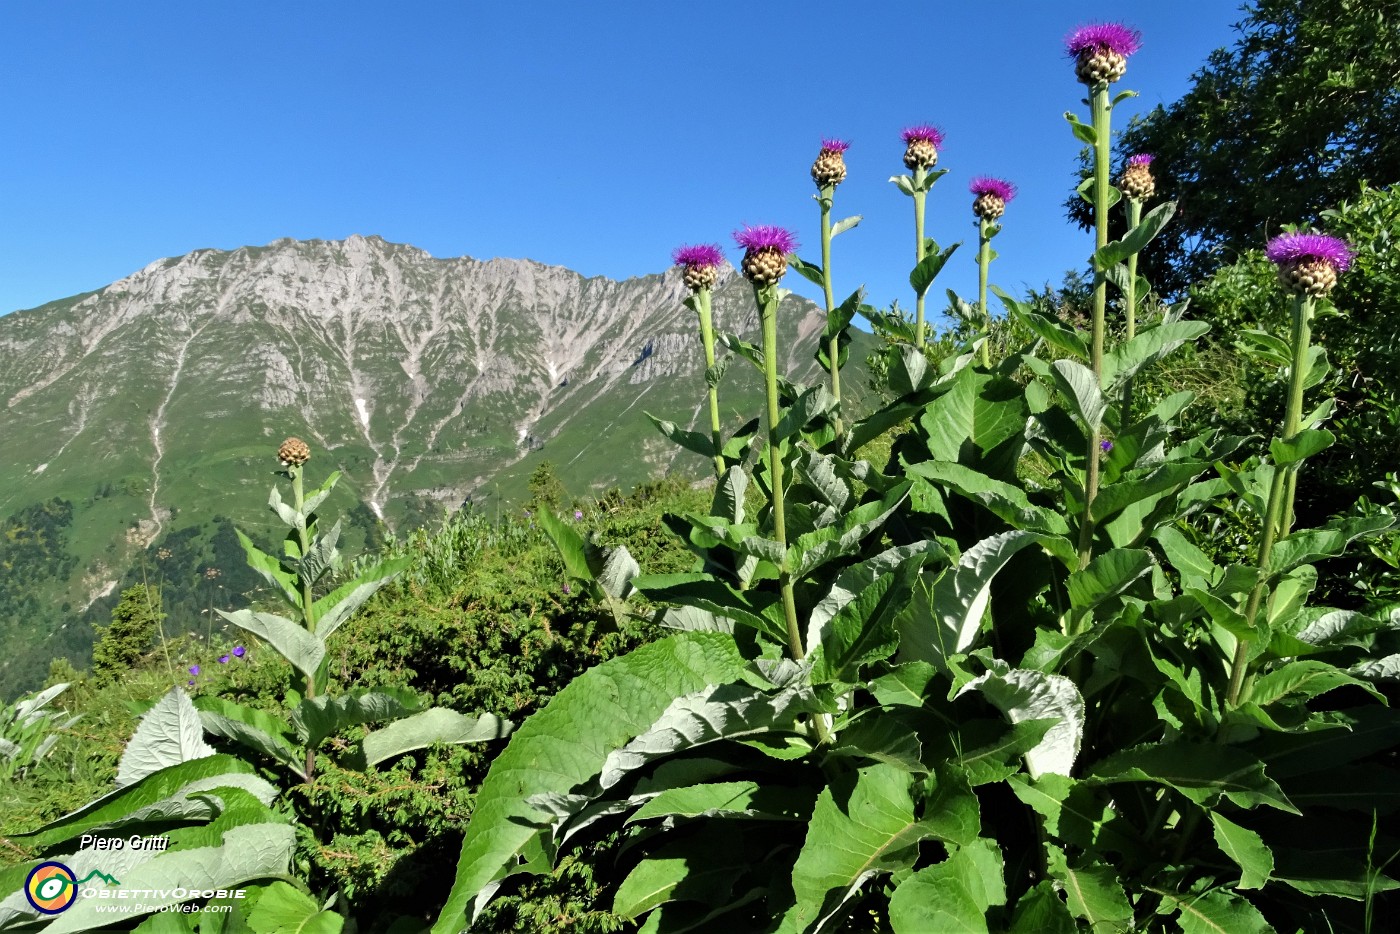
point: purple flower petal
(1105, 446)
(764, 236)
(578, 514)
(190, 682)
(1109, 37)
(1296, 247)
(834, 145)
(223, 659)
(983, 185)
(701, 254)
(923, 131)
(1141, 158)
(238, 651)
(194, 670)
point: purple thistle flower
(766, 237)
(924, 132)
(238, 651)
(834, 145)
(1141, 158)
(223, 659)
(1293, 248)
(1000, 188)
(1103, 37)
(701, 254)
(194, 670)
(1105, 445)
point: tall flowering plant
(990, 198)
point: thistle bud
(293, 453)
(921, 146)
(830, 168)
(992, 197)
(1100, 51)
(1136, 182)
(1308, 264)
(766, 250)
(700, 263)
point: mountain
(141, 419)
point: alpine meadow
(349, 589)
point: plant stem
(984, 259)
(833, 349)
(1102, 111)
(308, 604)
(1278, 514)
(920, 248)
(707, 337)
(1130, 306)
(767, 298)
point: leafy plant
(28, 731)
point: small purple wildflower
(765, 237)
(925, 132)
(566, 587)
(238, 651)
(194, 670)
(1141, 158)
(1300, 247)
(190, 682)
(1103, 37)
(578, 514)
(223, 659)
(1105, 445)
(701, 254)
(983, 185)
(834, 145)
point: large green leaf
(1081, 389)
(701, 868)
(1326, 542)
(271, 570)
(1007, 501)
(284, 909)
(256, 729)
(863, 824)
(1091, 889)
(951, 896)
(303, 650)
(168, 734)
(1126, 360)
(318, 717)
(1215, 912)
(1246, 849)
(434, 725)
(332, 610)
(173, 793)
(863, 630)
(1202, 771)
(980, 417)
(1074, 812)
(567, 743)
(1023, 694)
(729, 799)
(693, 441)
(1041, 911)
(1107, 575)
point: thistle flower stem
(1278, 515)
(984, 259)
(308, 604)
(920, 248)
(1130, 298)
(768, 313)
(707, 338)
(1102, 112)
(824, 198)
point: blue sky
(596, 136)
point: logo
(51, 888)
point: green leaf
(1041, 911)
(1203, 772)
(318, 717)
(248, 853)
(1079, 385)
(304, 651)
(1060, 336)
(862, 631)
(729, 799)
(1108, 575)
(1326, 542)
(1307, 678)
(1083, 132)
(283, 909)
(1126, 360)
(1301, 446)
(1195, 568)
(1216, 912)
(693, 441)
(1246, 849)
(1007, 501)
(809, 271)
(1092, 891)
(904, 183)
(176, 792)
(846, 223)
(434, 725)
(168, 734)
(1022, 694)
(863, 824)
(256, 729)
(979, 416)
(1072, 812)
(271, 570)
(953, 895)
(1136, 239)
(332, 610)
(567, 743)
(698, 869)
(995, 761)
(922, 276)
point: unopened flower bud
(293, 453)
(830, 168)
(1136, 182)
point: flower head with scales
(701, 263)
(766, 250)
(992, 195)
(1136, 182)
(1308, 263)
(1100, 51)
(830, 168)
(921, 145)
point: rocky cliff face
(159, 400)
